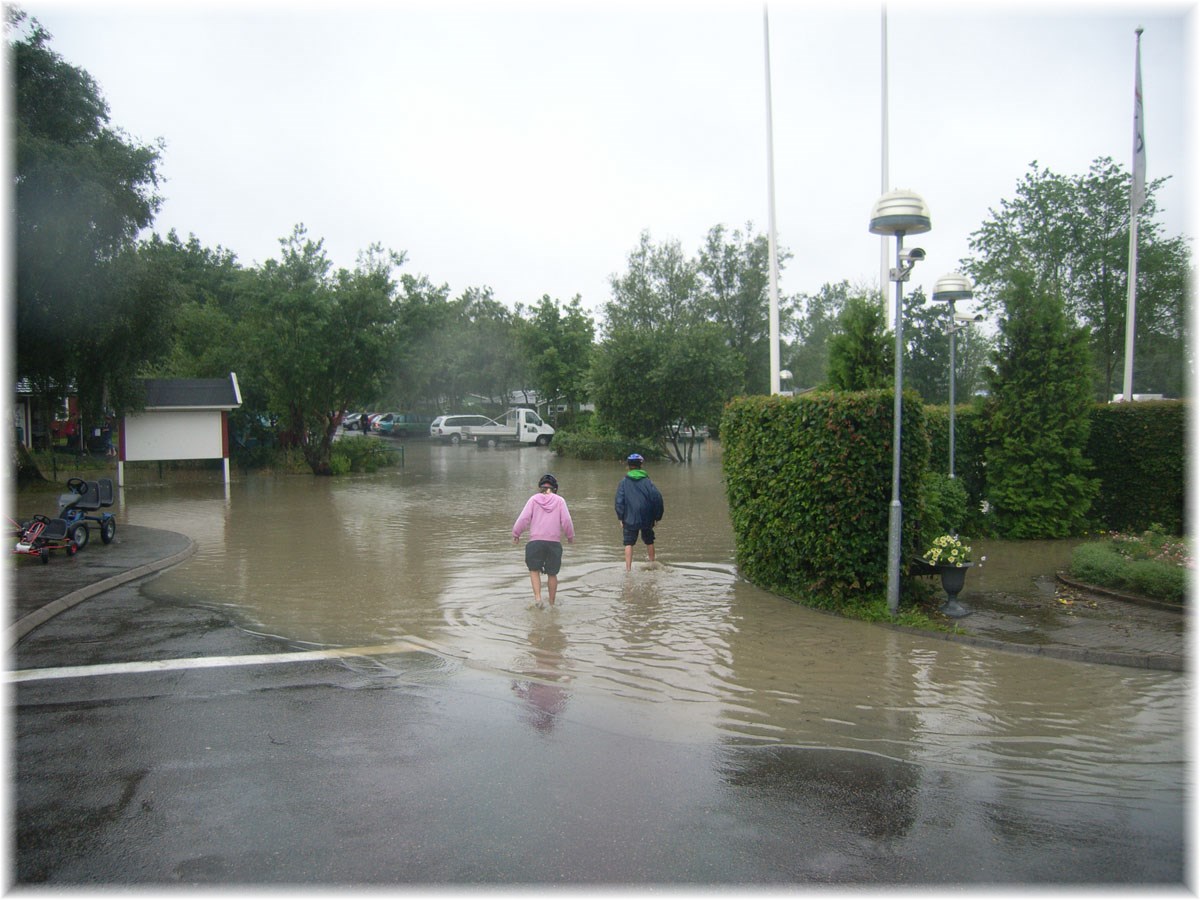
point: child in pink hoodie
(547, 518)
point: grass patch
(1150, 564)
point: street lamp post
(898, 213)
(950, 288)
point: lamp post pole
(898, 213)
(950, 288)
(895, 514)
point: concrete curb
(1128, 598)
(39, 616)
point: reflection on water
(682, 649)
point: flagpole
(884, 187)
(773, 253)
(1137, 196)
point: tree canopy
(1071, 236)
(86, 308)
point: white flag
(1139, 134)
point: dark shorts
(629, 534)
(543, 556)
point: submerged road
(161, 744)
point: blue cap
(634, 457)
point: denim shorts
(629, 534)
(543, 556)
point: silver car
(449, 428)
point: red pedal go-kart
(68, 530)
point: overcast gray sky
(526, 145)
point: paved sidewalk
(41, 591)
(1057, 619)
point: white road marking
(209, 662)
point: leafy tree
(449, 349)
(558, 349)
(208, 288)
(1071, 235)
(861, 353)
(324, 339)
(808, 358)
(651, 383)
(660, 289)
(83, 191)
(663, 365)
(735, 277)
(1037, 476)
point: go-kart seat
(105, 491)
(55, 530)
(90, 499)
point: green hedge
(586, 445)
(809, 481)
(970, 431)
(1139, 451)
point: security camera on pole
(898, 212)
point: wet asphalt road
(400, 768)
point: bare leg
(628, 557)
(552, 583)
(650, 551)
(535, 579)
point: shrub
(945, 501)
(1149, 564)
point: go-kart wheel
(108, 530)
(44, 553)
(76, 485)
(79, 535)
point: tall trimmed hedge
(1139, 453)
(809, 481)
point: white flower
(948, 550)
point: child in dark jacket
(639, 506)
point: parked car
(449, 428)
(403, 424)
(350, 422)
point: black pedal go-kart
(69, 529)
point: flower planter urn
(953, 579)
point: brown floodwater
(684, 649)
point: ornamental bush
(809, 483)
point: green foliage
(558, 350)
(862, 352)
(970, 440)
(808, 358)
(1038, 482)
(734, 281)
(645, 381)
(1139, 453)
(1149, 565)
(945, 503)
(87, 313)
(361, 453)
(809, 486)
(323, 339)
